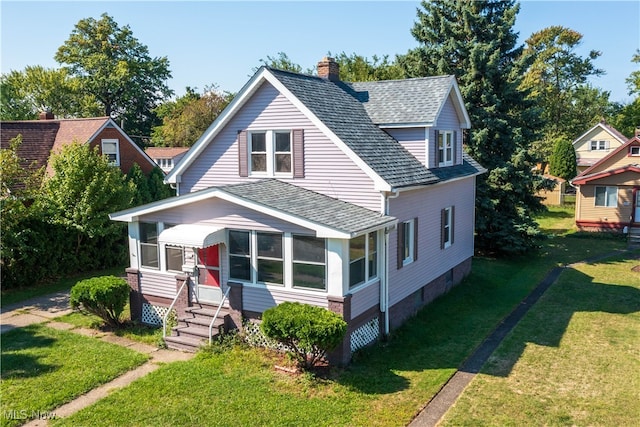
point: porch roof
(328, 217)
(192, 235)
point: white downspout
(384, 294)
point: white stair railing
(215, 316)
(166, 315)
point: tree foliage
(117, 70)
(186, 119)
(563, 160)
(309, 331)
(557, 81)
(626, 118)
(281, 61)
(104, 296)
(357, 68)
(475, 42)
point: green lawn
(573, 360)
(43, 368)
(384, 386)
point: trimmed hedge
(104, 296)
(309, 331)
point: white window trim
(447, 136)
(270, 147)
(600, 145)
(409, 242)
(636, 149)
(446, 228)
(606, 196)
(117, 153)
(368, 278)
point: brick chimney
(46, 115)
(329, 69)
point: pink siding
(327, 169)
(432, 261)
(258, 298)
(413, 139)
(365, 298)
(159, 284)
(448, 120)
(224, 214)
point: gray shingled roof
(308, 205)
(403, 101)
(339, 107)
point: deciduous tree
(117, 69)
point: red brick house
(42, 137)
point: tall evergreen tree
(475, 42)
(563, 160)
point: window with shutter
(271, 153)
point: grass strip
(43, 368)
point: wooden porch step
(184, 343)
(202, 321)
(205, 312)
(201, 332)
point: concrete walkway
(436, 408)
(46, 309)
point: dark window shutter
(453, 221)
(415, 239)
(298, 153)
(454, 148)
(443, 214)
(243, 154)
(436, 150)
(400, 244)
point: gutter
(384, 283)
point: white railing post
(166, 315)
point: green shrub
(308, 331)
(104, 296)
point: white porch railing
(166, 315)
(215, 316)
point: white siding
(413, 139)
(158, 284)
(328, 170)
(432, 261)
(259, 298)
(365, 298)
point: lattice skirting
(365, 334)
(153, 314)
(255, 338)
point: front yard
(530, 380)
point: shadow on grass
(15, 360)
(547, 324)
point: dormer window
(110, 149)
(446, 148)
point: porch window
(363, 260)
(239, 256)
(606, 196)
(149, 244)
(175, 257)
(309, 262)
(270, 260)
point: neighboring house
(356, 197)
(595, 144)
(166, 157)
(555, 196)
(608, 196)
(41, 138)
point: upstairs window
(606, 197)
(634, 151)
(446, 222)
(446, 148)
(271, 153)
(599, 145)
(110, 149)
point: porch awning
(192, 235)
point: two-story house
(595, 144)
(356, 197)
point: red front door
(209, 266)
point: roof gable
(601, 126)
(335, 109)
(618, 154)
(584, 179)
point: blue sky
(218, 42)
